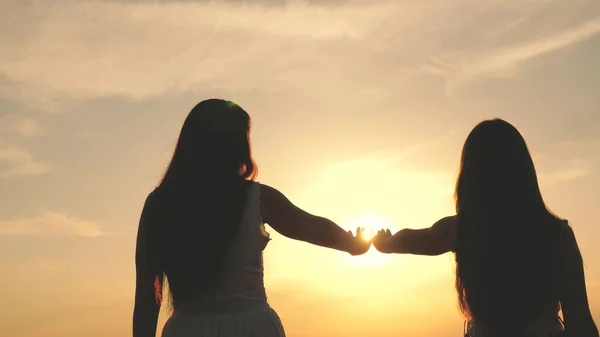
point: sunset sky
(359, 109)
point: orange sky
(359, 114)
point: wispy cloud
(21, 125)
(28, 127)
(573, 170)
(76, 50)
(503, 61)
(50, 224)
(17, 161)
(142, 50)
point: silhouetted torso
(242, 286)
(547, 323)
(238, 305)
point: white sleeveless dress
(239, 307)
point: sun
(371, 222)
(369, 233)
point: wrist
(348, 244)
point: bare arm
(436, 240)
(573, 295)
(295, 223)
(145, 312)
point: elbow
(437, 249)
(434, 253)
(428, 251)
(294, 235)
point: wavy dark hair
(507, 242)
(201, 198)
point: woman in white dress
(517, 264)
(201, 234)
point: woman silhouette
(202, 230)
(517, 263)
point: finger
(387, 231)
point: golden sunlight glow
(371, 222)
(373, 131)
(369, 233)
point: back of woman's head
(507, 238)
(213, 143)
(202, 197)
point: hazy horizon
(359, 113)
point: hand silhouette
(381, 241)
(360, 244)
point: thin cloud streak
(20, 125)
(17, 161)
(50, 224)
(503, 62)
(28, 127)
(574, 170)
(206, 43)
(289, 46)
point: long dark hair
(507, 242)
(201, 198)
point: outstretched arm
(435, 240)
(295, 223)
(147, 307)
(573, 295)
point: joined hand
(360, 244)
(381, 240)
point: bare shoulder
(446, 222)
(145, 233)
(152, 197)
(566, 230)
(272, 197)
(445, 230)
(267, 191)
(569, 245)
(148, 210)
(446, 225)
(272, 203)
(151, 201)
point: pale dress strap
(243, 293)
